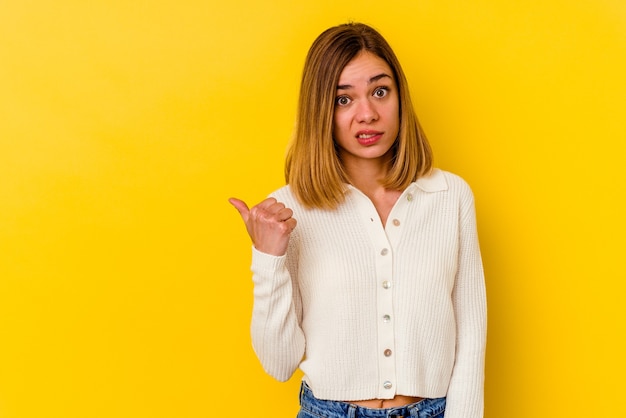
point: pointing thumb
(241, 207)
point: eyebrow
(370, 81)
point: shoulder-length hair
(312, 167)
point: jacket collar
(433, 182)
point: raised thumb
(241, 207)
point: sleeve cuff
(266, 263)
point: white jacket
(370, 311)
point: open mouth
(368, 138)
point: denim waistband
(425, 408)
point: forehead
(363, 67)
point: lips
(368, 137)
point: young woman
(366, 266)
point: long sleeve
(277, 338)
(465, 398)
(386, 309)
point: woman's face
(366, 118)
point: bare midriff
(398, 400)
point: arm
(276, 335)
(465, 397)
(277, 338)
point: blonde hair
(312, 167)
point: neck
(366, 175)
(367, 183)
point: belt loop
(352, 411)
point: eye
(342, 101)
(381, 92)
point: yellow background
(125, 125)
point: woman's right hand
(269, 224)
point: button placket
(386, 327)
(383, 241)
(386, 324)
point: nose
(366, 112)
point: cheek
(394, 109)
(393, 114)
(339, 124)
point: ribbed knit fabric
(370, 311)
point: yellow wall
(125, 126)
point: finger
(284, 214)
(291, 224)
(266, 210)
(241, 207)
(267, 203)
(274, 208)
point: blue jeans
(311, 407)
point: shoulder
(286, 196)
